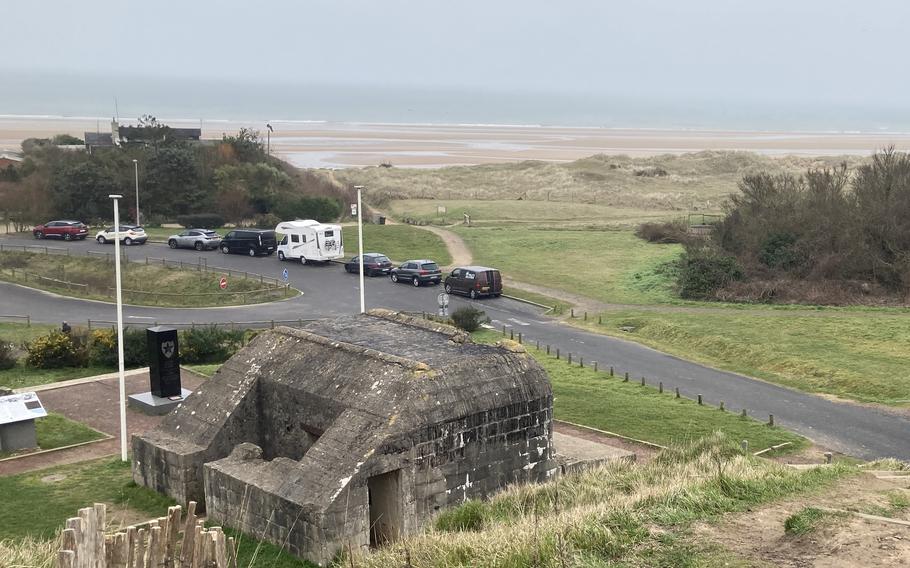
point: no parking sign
(223, 282)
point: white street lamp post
(359, 188)
(121, 376)
(136, 166)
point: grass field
(36, 506)
(21, 376)
(57, 431)
(858, 355)
(142, 284)
(611, 266)
(590, 398)
(398, 242)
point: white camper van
(309, 240)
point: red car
(66, 230)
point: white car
(129, 235)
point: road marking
(519, 322)
(140, 317)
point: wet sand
(338, 145)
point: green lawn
(143, 284)
(16, 333)
(611, 266)
(37, 504)
(398, 242)
(205, 370)
(21, 376)
(57, 431)
(859, 355)
(593, 399)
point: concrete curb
(613, 434)
(52, 450)
(517, 299)
(81, 381)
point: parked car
(374, 264)
(129, 234)
(199, 239)
(66, 230)
(417, 272)
(249, 241)
(474, 281)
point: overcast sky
(844, 52)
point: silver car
(199, 239)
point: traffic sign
(284, 274)
(443, 299)
(222, 283)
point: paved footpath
(94, 403)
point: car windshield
(429, 266)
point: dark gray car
(199, 239)
(417, 272)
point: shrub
(704, 270)
(102, 347)
(666, 232)
(201, 220)
(779, 251)
(322, 209)
(650, 171)
(209, 344)
(53, 351)
(266, 221)
(469, 318)
(7, 355)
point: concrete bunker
(352, 432)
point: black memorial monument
(164, 361)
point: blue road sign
(284, 274)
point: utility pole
(359, 189)
(120, 370)
(136, 167)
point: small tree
(469, 318)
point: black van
(474, 281)
(249, 241)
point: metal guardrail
(35, 249)
(260, 324)
(27, 318)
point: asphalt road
(857, 430)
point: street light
(136, 166)
(120, 371)
(359, 188)
(268, 143)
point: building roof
(98, 139)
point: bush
(209, 344)
(53, 351)
(704, 270)
(322, 209)
(779, 251)
(7, 355)
(666, 232)
(266, 221)
(201, 220)
(102, 347)
(469, 318)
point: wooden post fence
(166, 542)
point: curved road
(861, 431)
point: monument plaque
(164, 361)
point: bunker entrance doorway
(385, 507)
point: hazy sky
(844, 52)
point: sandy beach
(339, 145)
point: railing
(233, 325)
(35, 249)
(38, 278)
(27, 318)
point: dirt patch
(844, 541)
(643, 453)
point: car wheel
(252, 252)
(199, 247)
(473, 294)
(127, 241)
(67, 237)
(448, 288)
(302, 260)
(39, 235)
(394, 277)
(172, 243)
(225, 249)
(101, 240)
(416, 282)
(281, 256)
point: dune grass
(143, 284)
(620, 514)
(612, 266)
(398, 242)
(858, 355)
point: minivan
(474, 281)
(249, 241)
